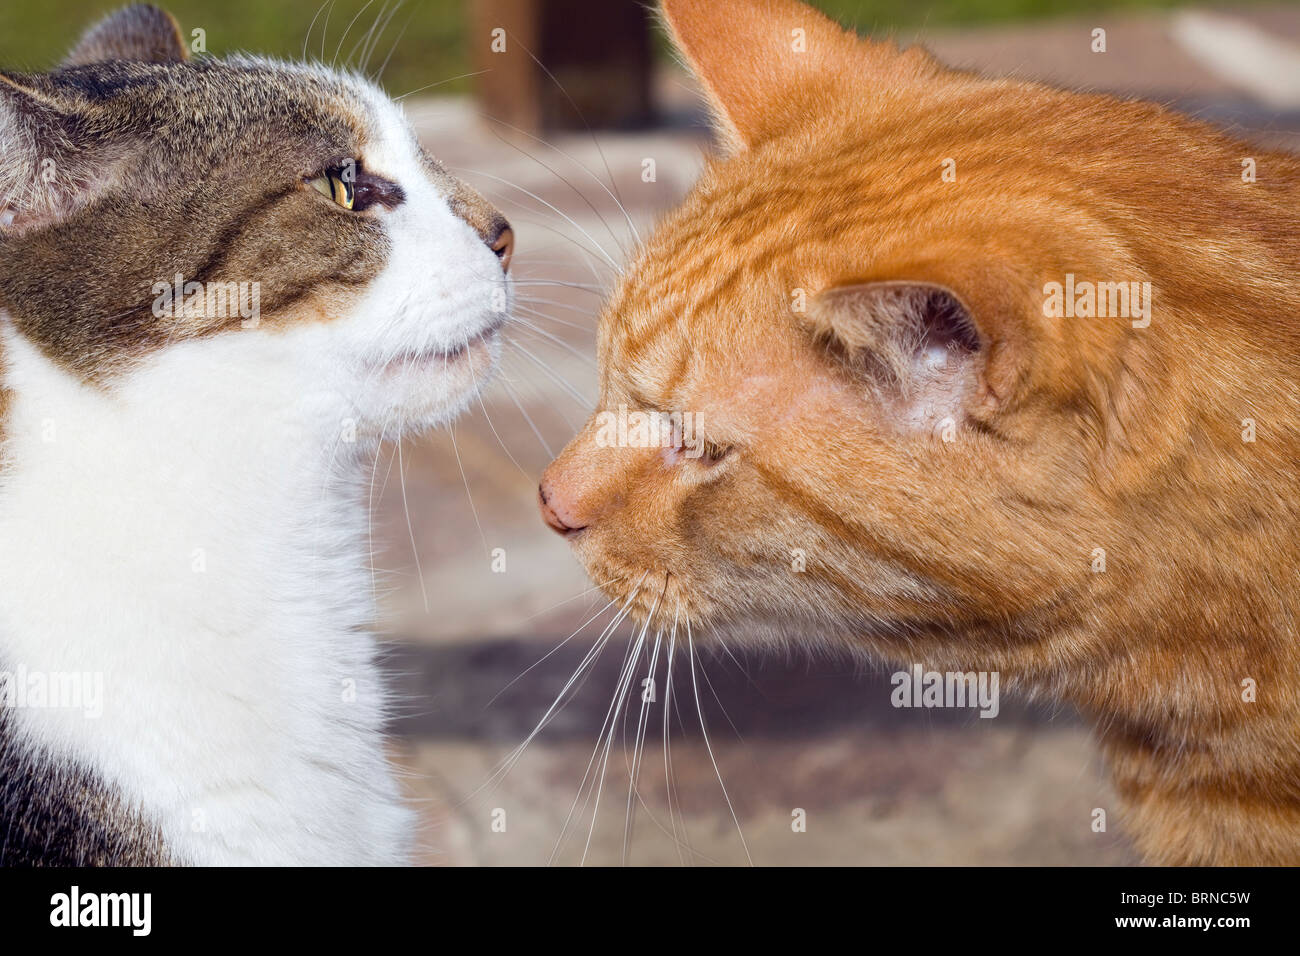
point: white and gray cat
(222, 283)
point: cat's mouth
(478, 346)
(483, 339)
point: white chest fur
(198, 539)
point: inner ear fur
(53, 162)
(916, 345)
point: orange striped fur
(1072, 442)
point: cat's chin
(418, 391)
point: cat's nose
(502, 242)
(557, 513)
(484, 218)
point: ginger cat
(1016, 368)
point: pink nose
(555, 512)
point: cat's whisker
(379, 75)
(638, 742)
(311, 26)
(595, 141)
(567, 692)
(722, 707)
(577, 597)
(678, 841)
(545, 657)
(580, 286)
(347, 30)
(511, 394)
(523, 379)
(483, 405)
(555, 209)
(612, 722)
(410, 530)
(579, 193)
(534, 308)
(537, 139)
(370, 506)
(553, 339)
(553, 375)
(709, 747)
(531, 259)
(669, 782)
(468, 494)
(324, 34)
(582, 786)
(616, 706)
(519, 214)
(576, 287)
(547, 317)
(450, 79)
(364, 40)
(377, 34)
(734, 659)
(528, 381)
(592, 654)
(533, 300)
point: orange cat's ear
(916, 344)
(767, 65)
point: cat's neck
(1183, 652)
(208, 560)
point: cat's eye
(338, 185)
(714, 453)
(350, 187)
(701, 451)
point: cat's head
(886, 423)
(278, 215)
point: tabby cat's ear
(53, 159)
(141, 33)
(918, 347)
(768, 65)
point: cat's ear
(53, 160)
(767, 65)
(141, 33)
(917, 346)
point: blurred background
(487, 616)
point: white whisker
(410, 530)
(704, 730)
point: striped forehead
(704, 287)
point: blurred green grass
(433, 49)
(35, 34)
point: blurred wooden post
(599, 53)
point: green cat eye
(334, 186)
